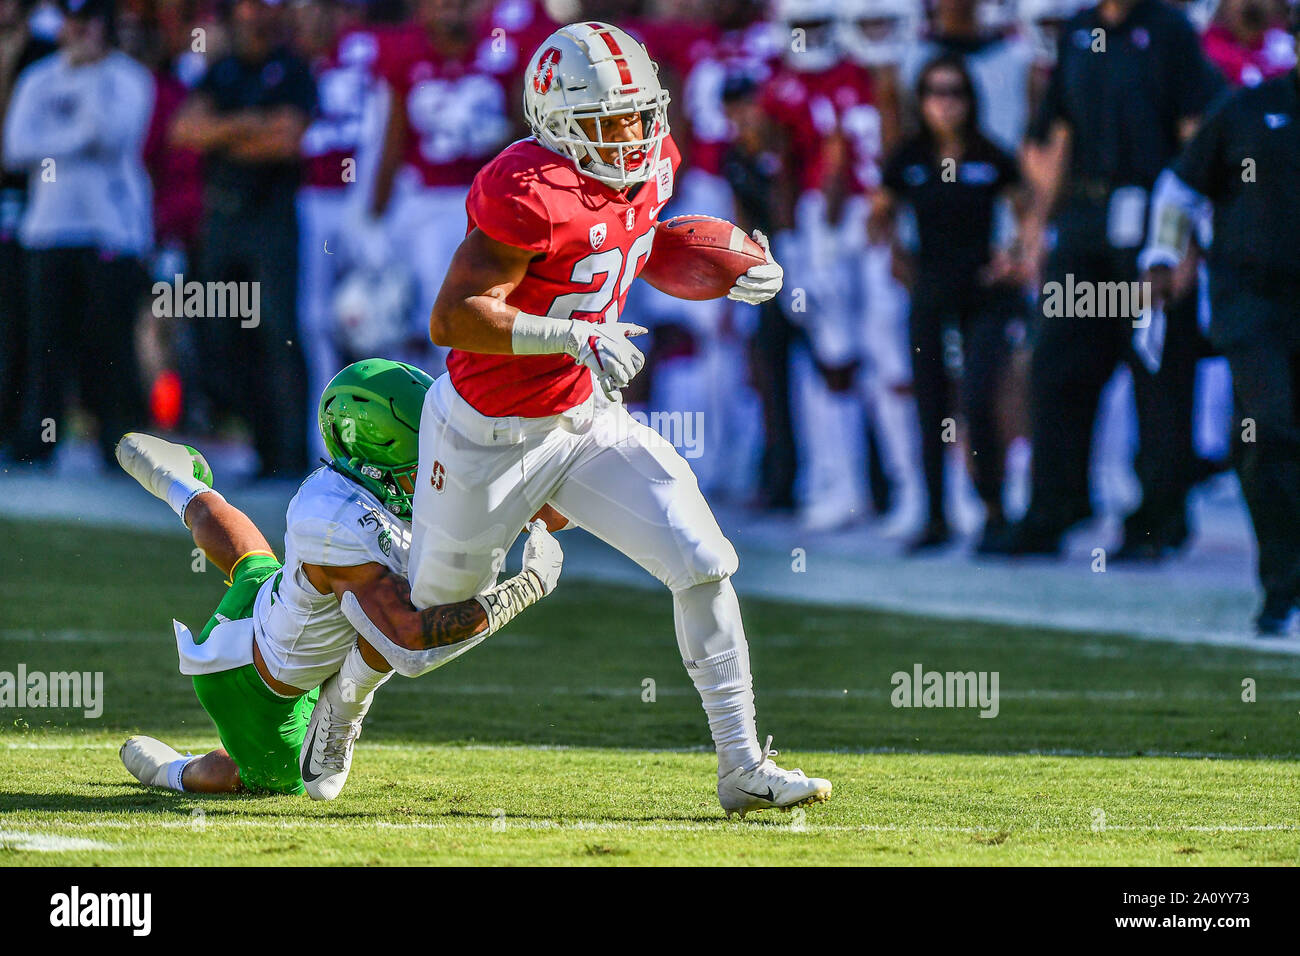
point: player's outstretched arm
(413, 641)
(385, 598)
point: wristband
(539, 334)
(503, 602)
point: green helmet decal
(369, 417)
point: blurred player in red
(1249, 42)
(702, 344)
(529, 410)
(445, 114)
(344, 66)
(831, 134)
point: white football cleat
(148, 758)
(156, 462)
(767, 786)
(335, 726)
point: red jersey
(455, 109)
(592, 242)
(814, 108)
(1271, 56)
(344, 80)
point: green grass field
(538, 746)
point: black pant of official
(770, 371)
(13, 336)
(1073, 359)
(259, 371)
(981, 317)
(81, 328)
(1260, 336)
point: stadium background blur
(297, 175)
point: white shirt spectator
(79, 131)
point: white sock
(727, 692)
(712, 641)
(174, 770)
(357, 679)
(185, 489)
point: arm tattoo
(438, 626)
(451, 623)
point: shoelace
(337, 736)
(768, 753)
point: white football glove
(543, 556)
(604, 348)
(760, 283)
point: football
(700, 257)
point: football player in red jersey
(528, 412)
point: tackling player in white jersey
(279, 667)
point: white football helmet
(591, 71)
(372, 310)
(809, 33)
(1042, 21)
(877, 32)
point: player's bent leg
(345, 699)
(261, 731)
(214, 772)
(155, 764)
(179, 475)
(170, 471)
(634, 492)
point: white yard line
(212, 822)
(47, 842)
(202, 745)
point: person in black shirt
(1246, 162)
(247, 117)
(19, 48)
(953, 177)
(751, 169)
(1128, 89)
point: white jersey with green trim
(334, 522)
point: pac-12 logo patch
(598, 235)
(544, 75)
(438, 477)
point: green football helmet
(370, 420)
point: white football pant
(481, 479)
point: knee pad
(707, 559)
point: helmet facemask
(635, 160)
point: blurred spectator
(952, 175)
(697, 359)
(1248, 41)
(750, 169)
(19, 49)
(1107, 126)
(445, 116)
(999, 61)
(829, 135)
(247, 117)
(77, 124)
